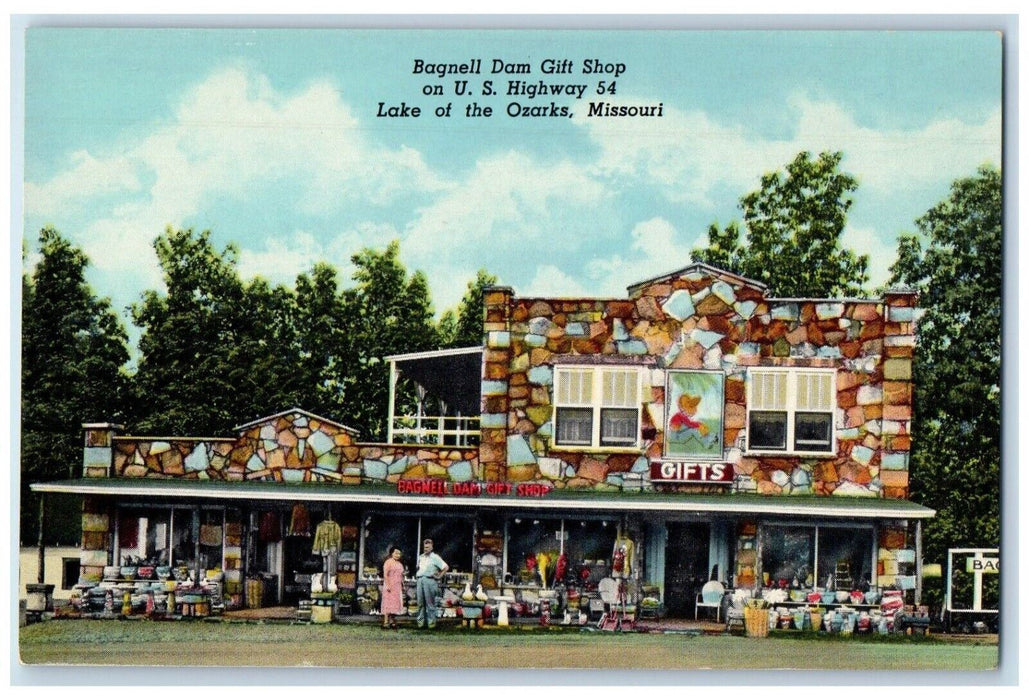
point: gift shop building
(695, 430)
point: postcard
(495, 349)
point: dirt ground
(280, 644)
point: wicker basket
(755, 620)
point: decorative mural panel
(693, 416)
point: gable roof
(703, 268)
(245, 426)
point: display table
(193, 604)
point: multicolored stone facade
(703, 318)
(293, 446)
(697, 318)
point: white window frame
(791, 409)
(595, 403)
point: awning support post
(392, 400)
(918, 562)
(419, 391)
(40, 573)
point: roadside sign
(982, 565)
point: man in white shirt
(431, 568)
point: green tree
(320, 337)
(387, 312)
(464, 329)
(794, 225)
(72, 371)
(214, 351)
(954, 262)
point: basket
(755, 621)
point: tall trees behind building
(74, 350)
(954, 261)
(793, 229)
(215, 350)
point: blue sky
(269, 138)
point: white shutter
(769, 391)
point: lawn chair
(710, 596)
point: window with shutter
(791, 410)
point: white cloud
(656, 248)
(687, 153)
(551, 281)
(87, 177)
(892, 160)
(506, 200)
(881, 253)
(279, 259)
(231, 135)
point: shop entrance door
(686, 560)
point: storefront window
(846, 555)
(787, 555)
(589, 540)
(451, 539)
(157, 552)
(183, 538)
(143, 536)
(527, 538)
(212, 532)
(381, 531)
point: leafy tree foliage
(73, 358)
(214, 351)
(464, 329)
(794, 224)
(387, 312)
(955, 263)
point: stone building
(721, 433)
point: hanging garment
(268, 528)
(326, 538)
(621, 558)
(562, 567)
(211, 535)
(128, 532)
(300, 522)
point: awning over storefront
(578, 501)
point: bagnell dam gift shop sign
(441, 487)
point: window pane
(588, 540)
(385, 530)
(768, 390)
(767, 430)
(527, 537)
(813, 431)
(183, 539)
(451, 539)
(575, 387)
(619, 388)
(618, 426)
(212, 536)
(844, 553)
(574, 426)
(814, 391)
(787, 553)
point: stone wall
(702, 320)
(290, 447)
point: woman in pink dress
(392, 588)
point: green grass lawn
(136, 643)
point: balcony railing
(459, 431)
